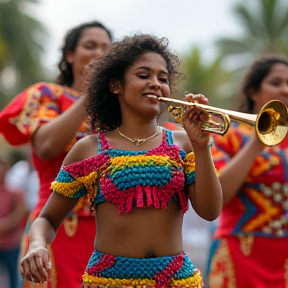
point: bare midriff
(144, 232)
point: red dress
(251, 241)
(74, 240)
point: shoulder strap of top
(102, 142)
(99, 146)
(168, 136)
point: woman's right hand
(35, 265)
(192, 122)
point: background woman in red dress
(251, 241)
(51, 118)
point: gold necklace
(138, 141)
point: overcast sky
(184, 22)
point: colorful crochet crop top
(130, 179)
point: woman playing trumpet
(138, 176)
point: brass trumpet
(271, 123)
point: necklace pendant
(139, 142)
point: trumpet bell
(272, 123)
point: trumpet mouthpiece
(152, 97)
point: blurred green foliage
(22, 43)
(207, 77)
(264, 25)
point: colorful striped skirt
(105, 270)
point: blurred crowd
(19, 194)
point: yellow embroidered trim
(246, 243)
(192, 282)
(222, 272)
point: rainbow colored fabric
(104, 270)
(130, 178)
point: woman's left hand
(192, 122)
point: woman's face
(273, 87)
(92, 43)
(147, 76)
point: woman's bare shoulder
(84, 148)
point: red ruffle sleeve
(30, 109)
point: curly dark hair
(69, 44)
(259, 69)
(100, 104)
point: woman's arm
(51, 138)
(35, 264)
(233, 174)
(206, 194)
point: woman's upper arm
(58, 206)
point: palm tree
(265, 29)
(207, 78)
(22, 42)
